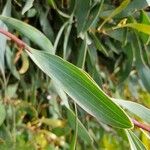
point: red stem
(14, 38)
(141, 125)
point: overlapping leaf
(136, 109)
(135, 143)
(32, 33)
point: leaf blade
(135, 108)
(27, 6)
(73, 80)
(135, 143)
(37, 37)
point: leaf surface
(32, 33)
(135, 143)
(81, 88)
(135, 108)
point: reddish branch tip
(140, 125)
(19, 42)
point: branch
(141, 125)
(14, 38)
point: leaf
(144, 20)
(135, 143)
(61, 94)
(81, 88)
(99, 45)
(6, 11)
(143, 69)
(82, 7)
(11, 90)
(127, 64)
(145, 137)
(25, 64)
(2, 113)
(28, 5)
(82, 53)
(32, 33)
(148, 2)
(54, 123)
(93, 65)
(44, 21)
(93, 15)
(134, 5)
(59, 35)
(66, 38)
(138, 26)
(10, 60)
(135, 108)
(82, 131)
(122, 6)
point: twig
(141, 125)
(20, 43)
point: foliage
(63, 83)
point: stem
(14, 38)
(141, 125)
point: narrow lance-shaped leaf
(143, 69)
(2, 113)
(135, 108)
(135, 5)
(6, 12)
(144, 20)
(81, 88)
(81, 7)
(138, 26)
(82, 131)
(135, 143)
(27, 6)
(32, 33)
(122, 6)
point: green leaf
(82, 53)
(44, 21)
(32, 33)
(82, 131)
(143, 69)
(148, 2)
(82, 7)
(134, 5)
(99, 45)
(135, 143)
(6, 12)
(92, 17)
(59, 34)
(2, 113)
(61, 94)
(138, 26)
(11, 89)
(10, 60)
(144, 20)
(66, 38)
(135, 108)
(122, 6)
(127, 64)
(81, 88)
(28, 5)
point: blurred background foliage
(96, 36)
